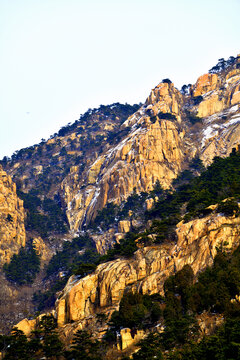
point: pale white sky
(60, 57)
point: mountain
(164, 136)
(101, 158)
(120, 204)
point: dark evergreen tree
(23, 267)
(85, 348)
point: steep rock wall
(148, 269)
(158, 148)
(219, 92)
(220, 111)
(12, 230)
(155, 149)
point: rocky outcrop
(148, 269)
(159, 146)
(102, 157)
(127, 338)
(221, 133)
(42, 249)
(124, 226)
(27, 326)
(219, 92)
(209, 322)
(165, 98)
(205, 83)
(155, 149)
(220, 111)
(12, 230)
(105, 240)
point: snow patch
(96, 195)
(208, 133)
(235, 120)
(213, 129)
(134, 118)
(228, 112)
(233, 108)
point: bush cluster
(23, 267)
(43, 216)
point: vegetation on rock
(222, 65)
(184, 300)
(78, 257)
(177, 312)
(43, 216)
(43, 342)
(48, 173)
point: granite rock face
(12, 230)
(154, 149)
(148, 269)
(219, 92)
(103, 158)
(128, 339)
(160, 143)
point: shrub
(53, 218)
(229, 207)
(167, 116)
(168, 81)
(193, 118)
(106, 216)
(136, 311)
(84, 269)
(23, 267)
(85, 347)
(197, 99)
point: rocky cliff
(12, 230)
(163, 136)
(147, 270)
(110, 151)
(156, 148)
(220, 110)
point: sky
(58, 58)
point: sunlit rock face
(154, 149)
(160, 143)
(221, 112)
(219, 92)
(103, 158)
(12, 230)
(148, 269)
